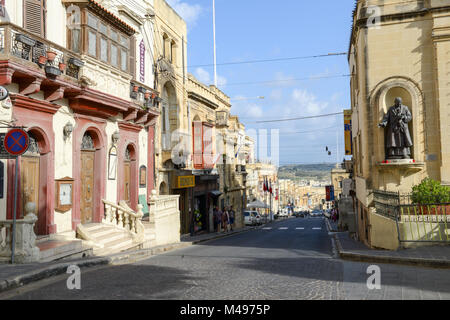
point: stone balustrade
(123, 217)
(164, 211)
(25, 250)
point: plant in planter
(431, 192)
(51, 55)
(42, 60)
(62, 65)
(52, 71)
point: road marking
(283, 228)
(267, 228)
(317, 228)
(300, 228)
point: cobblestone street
(288, 260)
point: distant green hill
(306, 171)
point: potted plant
(25, 40)
(42, 60)
(76, 62)
(431, 192)
(52, 71)
(51, 55)
(62, 65)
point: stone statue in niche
(398, 140)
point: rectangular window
(123, 59)
(208, 147)
(198, 144)
(114, 36)
(114, 55)
(104, 49)
(124, 41)
(34, 16)
(75, 40)
(92, 43)
(103, 29)
(92, 21)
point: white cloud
(308, 102)
(189, 12)
(204, 76)
(276, 94)
(254, 111)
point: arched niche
(382, 98)
(163, 189)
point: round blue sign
(16, 142)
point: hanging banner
(348, 132)
(329, 191)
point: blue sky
(262, 29)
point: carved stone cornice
(33, 104)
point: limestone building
(398, 49)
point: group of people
(224, 220)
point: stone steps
(51, 250)
(108, 239)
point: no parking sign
(16, 142)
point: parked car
(257, 217)
(249, 220)
(252, 218)
(316, 213)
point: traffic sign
(4, 93)
(3, 153)
(16, 142)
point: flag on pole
(264, 185)
(270, 187)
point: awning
(257, 204)
(215, 193)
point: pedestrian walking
(232, 215)
(225, 220)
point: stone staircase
(107, 239)
(59, 249)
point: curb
(115, 259)
(421, 262)
(224, 235)
(49, 271)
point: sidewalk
(17, 275)
(437, 256)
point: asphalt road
(292, 260)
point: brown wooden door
(87, 186)
(127, 181)
(30, 185)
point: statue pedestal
(400, 167)
(398, 161)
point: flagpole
(214, 36)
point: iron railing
(425, 223)
(387, 203)
(18, 42)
